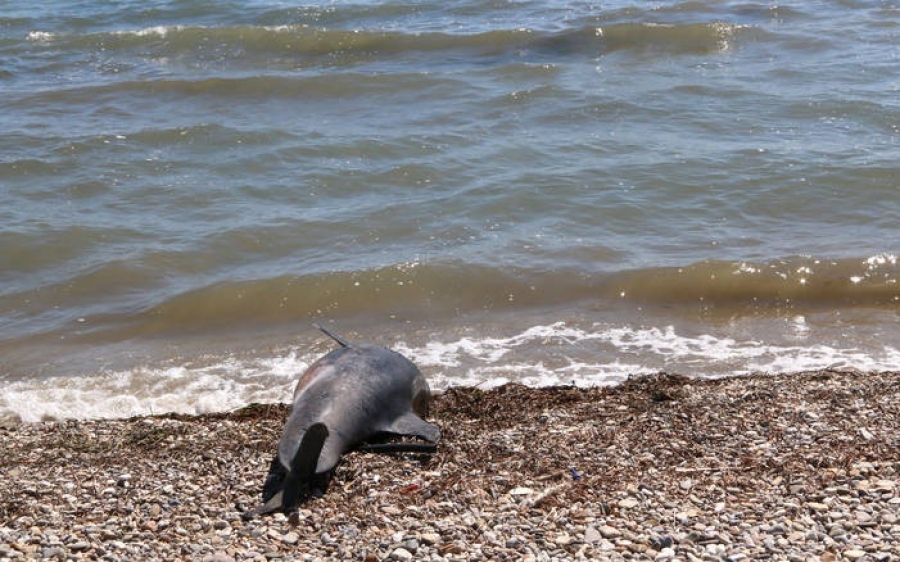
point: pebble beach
(789, 467)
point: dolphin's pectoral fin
(411, 424)
(299, 479)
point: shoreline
(801, 467)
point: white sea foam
(41, 36)
(540, 355)
(628, 351)
(225, 385)
(156, 30)
(490, 349)
(720, 355)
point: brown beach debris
(757, 467)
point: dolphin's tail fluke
(303, 466)
(335, 337)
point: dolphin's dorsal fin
(303, 466)
(411, 424)
(335, 337)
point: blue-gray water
(539, 191)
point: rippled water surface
(544, 192)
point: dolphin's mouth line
(402, 447)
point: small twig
(539, 499)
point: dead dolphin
(350, 396)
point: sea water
(540, 192)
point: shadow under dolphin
(345, 401)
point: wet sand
(792, 467)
